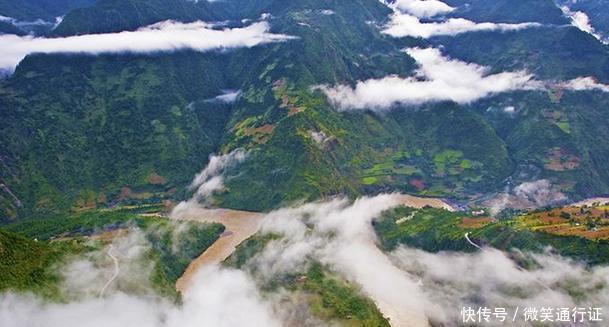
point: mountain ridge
(149, 122)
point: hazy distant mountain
(30, 10)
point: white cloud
(218, 297)
(223, 297)
(402, 25)
(539, 192)
(228, 96)
(215, 167)
(490, 278)
(509, 110)
(160, 37)
(209, 180)
(422, 8)
(340, 235)
(410, 286)
(438, 78)
(320, 137)
(584, 84)
(528, 195)
(413, 287)
(26, 24)
(581, 20)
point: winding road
(117, 271)
(470, 241)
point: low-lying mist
(410, 286)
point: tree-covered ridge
(106, 16)
(93, 131)
(48, 10)
(26, 265)
(515, 11)
(437, 230)
(34, 251)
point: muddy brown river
(240, 225)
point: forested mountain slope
(83, 131)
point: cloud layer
(438, 78)
(160, 37)
(405, 21)
(581, 20)
(219, 297)
(410, 286)
(528, 195)
(339, 234)
(402, 25)
(210, 179)
(228, 96)
(491, 278)
(422, 8)
(584, 84)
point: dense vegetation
(338, 300)
(440, 230)
(27, 265)
(143, 125)
(329, 297)
(78, 223)
(31, 10)
(514, 11)
(175, 247)
(31, 263)
(119, 15)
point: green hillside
(437, 230)
(118, 15)
(30, 264)
(31, 10)
(514, 11)
(95, 131)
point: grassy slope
(36, 272)
(27, 265)
(133, 117)
(439, 230)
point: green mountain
(93, 131)
(106, 16)
(8, 28)
(515, 11)
(31, 10)
(557, 126)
